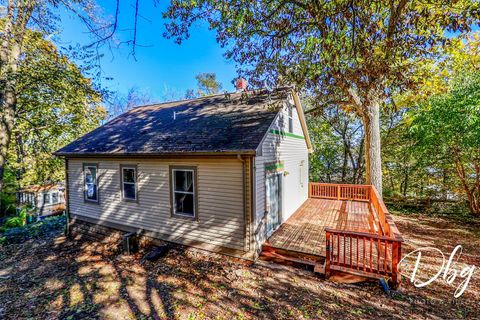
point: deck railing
(364, 253)
(339, 191)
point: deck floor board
(304, 231)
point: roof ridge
(179, 101)
(260, 91)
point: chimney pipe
(241, 84)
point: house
(219, 173)
(228, 173)
(43, 200)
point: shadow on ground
(58, 278)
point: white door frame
(280, 201)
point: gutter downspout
(67, 199)
(249, 245)
(244, 185)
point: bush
(14, 222)
(19, 221)
(34, 230)
(8, 204)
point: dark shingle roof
(206, 125)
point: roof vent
(241, 84)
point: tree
(16, 18)
(338, 137)
(56, 104)
(351, 53)
(134, 98)
(408, 171)
(446, 129)
(207, 85)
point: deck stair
(290, 257)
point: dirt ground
(56, 278)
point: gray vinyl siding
(292, 151)
(221, 214)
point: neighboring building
(219, 173)
(44, 200)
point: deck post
(327, 255)
(396, 253)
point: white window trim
(134, 168)
(193, 193)
(85, 198)
(51, 197)
(290, 119)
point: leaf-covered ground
(51, 277)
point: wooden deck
(340, 228)
(304, 232)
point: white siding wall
(221, 217)
(292, 151)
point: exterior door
(273, 201)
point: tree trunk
(345, 162)
(13, 32)
(405, 183)
(472, 192)
(8, 101)
(373, 157)
(360, 161)
(20, 150)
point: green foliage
(17, 221)
(207, 85)
(56, 104)
(338, 141)
(8, 199)
(450, 122)
(14, 222)
(350, 54)
(325, 162)
(446, 131)
(39, 229)
(332, 48)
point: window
(46, 198)
(302, 172)
(290, 119)
(31, 199)
(183, 192)
(54, 197)
(91, 182)
(129, 183)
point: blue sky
(162, 69)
